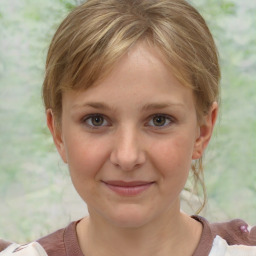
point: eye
(160, 121)
(95, 121)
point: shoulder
(235, 232)
(54, 243)
(225, 236)
(61, 242)
(30, 249)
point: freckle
(244, 229)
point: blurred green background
(36, 195)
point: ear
(56, 134)
(205, 132)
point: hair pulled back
(94, 36)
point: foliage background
(35, 192)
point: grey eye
(96, 121)
(160, 121)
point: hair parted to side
(94, 36)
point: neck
(165, 236)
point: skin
(145, 129)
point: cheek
(173, 156)
(85, 160)
(85, 156)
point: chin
(130, 217)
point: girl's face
(129, 140)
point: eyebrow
(147, 107)
(96, 105)
(153, 106)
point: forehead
(139, 77)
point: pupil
(97, 120)
(159, 120)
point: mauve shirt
(64, 242)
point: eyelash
(151, 118)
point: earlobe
(205, 132)
(56, 134)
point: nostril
(127, 162)
(127, 151)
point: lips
(131, 188)
(120, 183)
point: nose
(127, 152)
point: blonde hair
(97, 33)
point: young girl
(131, 95)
